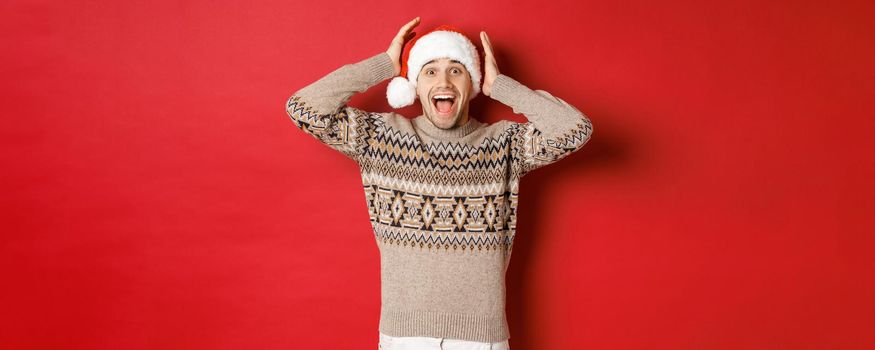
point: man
(442, 188)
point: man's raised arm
(320, 109)
(555, 128)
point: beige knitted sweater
(442, 203)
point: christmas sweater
(442, 202)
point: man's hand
(490, 68)
(397, 45)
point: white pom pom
(400, 92)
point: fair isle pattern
(441, 240)
(390, 145)
(537, 151)
(400, 160)
(442, 222)
(441, 214)
(340, 131)
(438, 195)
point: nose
(443, 79)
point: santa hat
(442, 42)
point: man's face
(444, 88)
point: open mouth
(443, 103)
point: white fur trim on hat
(438, 44)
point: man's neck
(460, 130)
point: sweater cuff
(379, 67)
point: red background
(156, 195)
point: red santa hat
(442, 42)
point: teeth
(443, 97)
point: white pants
(388, 342)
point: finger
(404, 34)
(406, 28)
(487, 46)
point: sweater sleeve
(320, 109)
(555, 128)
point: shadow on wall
(608, 151)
